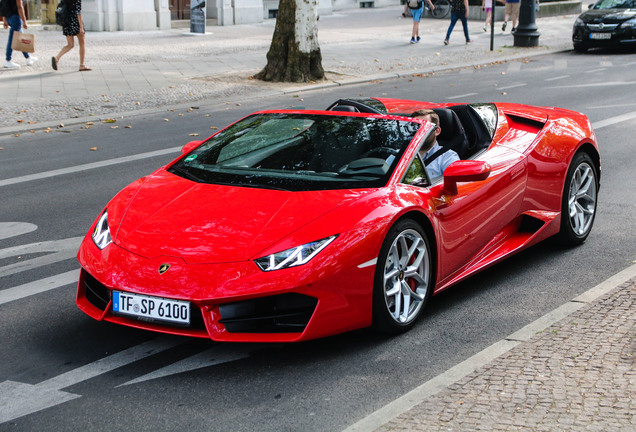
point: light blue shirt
(440, 163)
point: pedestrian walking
(459, 10)
(511, 11)
(73, 27)
(487, 6)
(417, 9)
(14, 19)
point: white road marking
(557, 78)
(454, 374)
(86, 167)
(512, 86)
(18, 399)
(60, 250)
(211, 357)
(39, 286)
(613, 120)
(14, 229)
(463, 96)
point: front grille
(96, 293)
(284, 313)
(602, 27)
(99, 296)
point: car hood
(207, 223)
(607, 16)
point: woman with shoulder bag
(73, 26)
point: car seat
(452, 135)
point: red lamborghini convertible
(291, 225)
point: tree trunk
(294, 55)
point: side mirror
(464, 171)
(190, 146)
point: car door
(471, 217)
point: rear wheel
(403, 278)
(578, 207)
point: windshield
(292, 151)
(615, 4)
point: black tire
(404, 273)
(579, 200)
(579, 48)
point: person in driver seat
(436, 158)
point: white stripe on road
(211, 357)
(418, 395)
(557, 78)
(86, 167)
(512, 86)
(19, 399)
(58, 250)
(14, 229)
(614, 120)
(463, 96)
(39, 286)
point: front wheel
(403, 278)
(578, 206)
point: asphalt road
(59, 367)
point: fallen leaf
(32, 122)
(194, 134)
(17, 135)
(90, 123)
(114, 127)
(128, 127)
(93, 148)
(213, 127)
(20, 121)
(110, 120)
(166, 120)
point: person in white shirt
(436, 158)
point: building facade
(132, 15)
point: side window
(416, 173)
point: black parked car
(607, 23)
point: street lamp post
(526, 34)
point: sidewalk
(141, 71)
(577, 375)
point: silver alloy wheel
(582, 199)
(406, 274)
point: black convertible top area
(467, 129)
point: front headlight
(293, 257)
(101, 233)
(630, 23)
(579, 23)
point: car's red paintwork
(473, 219)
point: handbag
(61, 14)
(24, 42)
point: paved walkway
(578, 374)
(134, 71)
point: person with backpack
(417, 9)
(73, 26)
(13, 17)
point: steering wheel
(381, 152)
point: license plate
(150, 308)
(600, 35)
